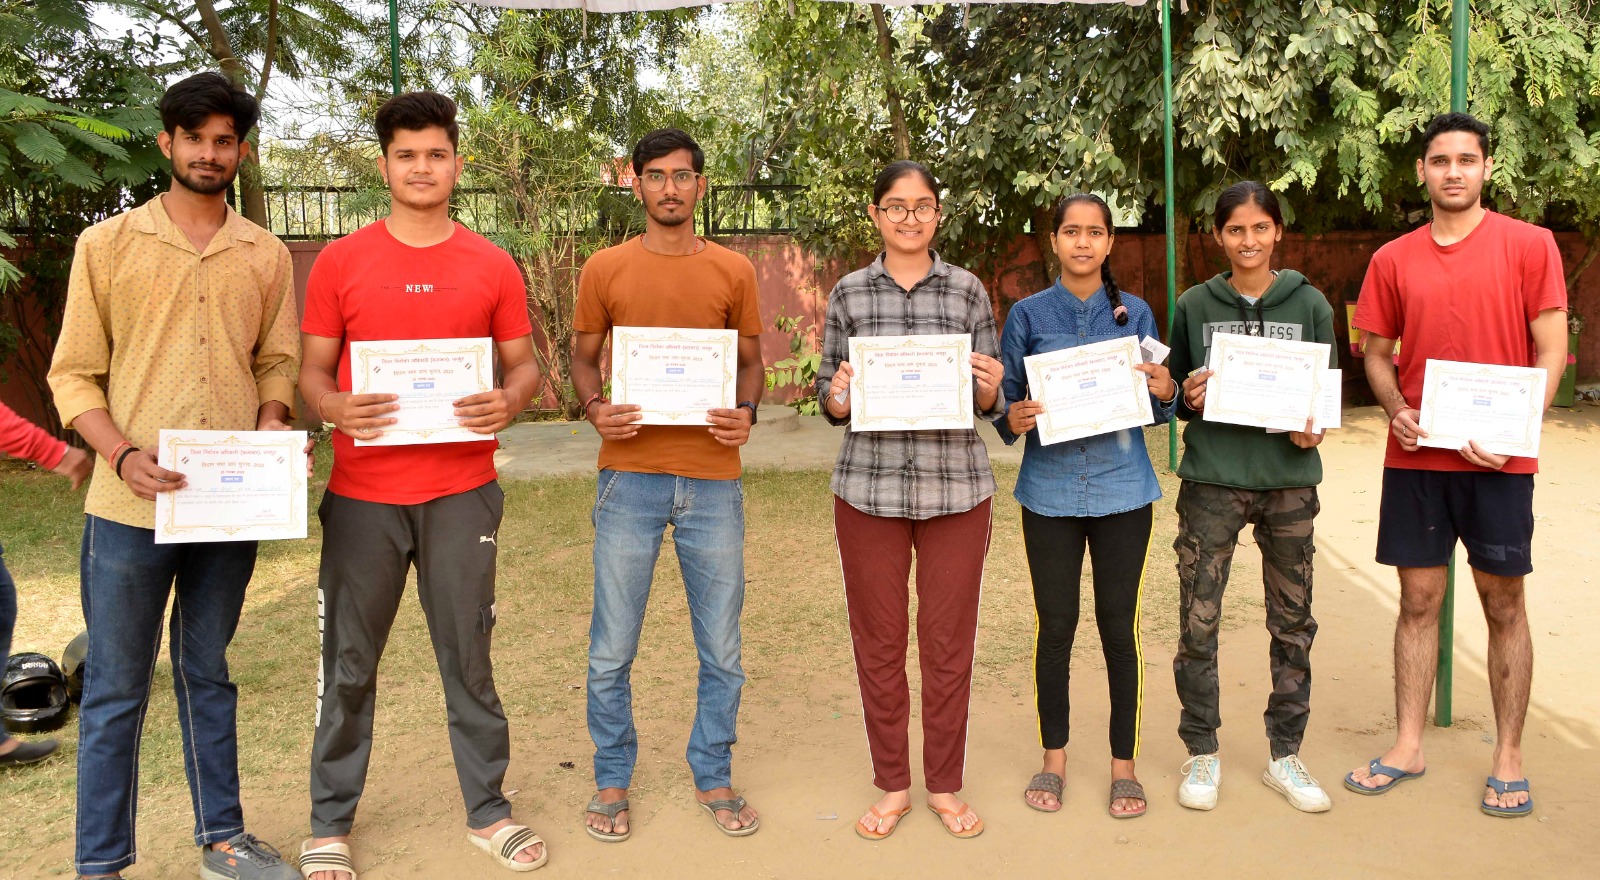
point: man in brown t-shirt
(655, 475)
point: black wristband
(122, 458)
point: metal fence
(327, 212)
(320, 213)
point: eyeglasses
(656, 181)
(897, 213)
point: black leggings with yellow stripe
(1117, 545)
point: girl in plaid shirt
(904, 493)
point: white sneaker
(1295, 782)
(1202, 775)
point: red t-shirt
(368, 286)
(1469, 301)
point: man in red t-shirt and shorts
(1481, 287)
(415, 275)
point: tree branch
(271, 51)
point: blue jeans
(8, 619)
(126, 579)
(631, 512)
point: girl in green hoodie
(1233, 475)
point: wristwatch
(750, 405)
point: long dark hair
(1113, 293)
(1243, 193)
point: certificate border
(1435, 371)
(1234, 415)
(1050, 435)
(862, 346)
(622, 336)
(475, 347)
(291, 445)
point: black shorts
(1424, 512)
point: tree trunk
(1042, 215)
(1591, 251)
(253, 200)
(897, 113)
(1181, 221)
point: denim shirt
(1092, 476)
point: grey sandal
(610, 811)
(1049, 783)
(735, 806)
(1127, 788)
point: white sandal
(328, 857)
(507, 842)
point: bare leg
(1510, 677)
(1416, 658)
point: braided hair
(1107, 280)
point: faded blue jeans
(631, 513)
(126, 579)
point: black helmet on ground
(33, 694)
(72, 660)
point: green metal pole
(394, 44)
(1447, 611)
(1172, 242)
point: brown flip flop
(1127, 788)
(1049, 783)
(896, 815)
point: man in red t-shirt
(417, 275)
(1471, 286)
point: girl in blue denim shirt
(1094, 493)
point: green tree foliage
(1016, 105)
(77, 144)
(249, 40)
(552, 101)
(795, 93)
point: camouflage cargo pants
(1209, 521)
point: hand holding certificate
(1264, 383)
(428, 376)
(674, 375)
(1087, 390)
(241, 486)
(1499, 408)
(911, 383)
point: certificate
(1500, 408)
(674, 375)
(1087, 390)
(1263, 383)
(429, 375)
(1329, 410)
(911, 383)
(241, 486)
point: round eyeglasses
(897, 213)
(656, 181)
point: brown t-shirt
(628, 286)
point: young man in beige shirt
(180, 314)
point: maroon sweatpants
(875, 553)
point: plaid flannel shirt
(910, 474)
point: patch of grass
(796, 649)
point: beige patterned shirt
(163, 336)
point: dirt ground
(802, 759)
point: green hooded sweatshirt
(1236, 455)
